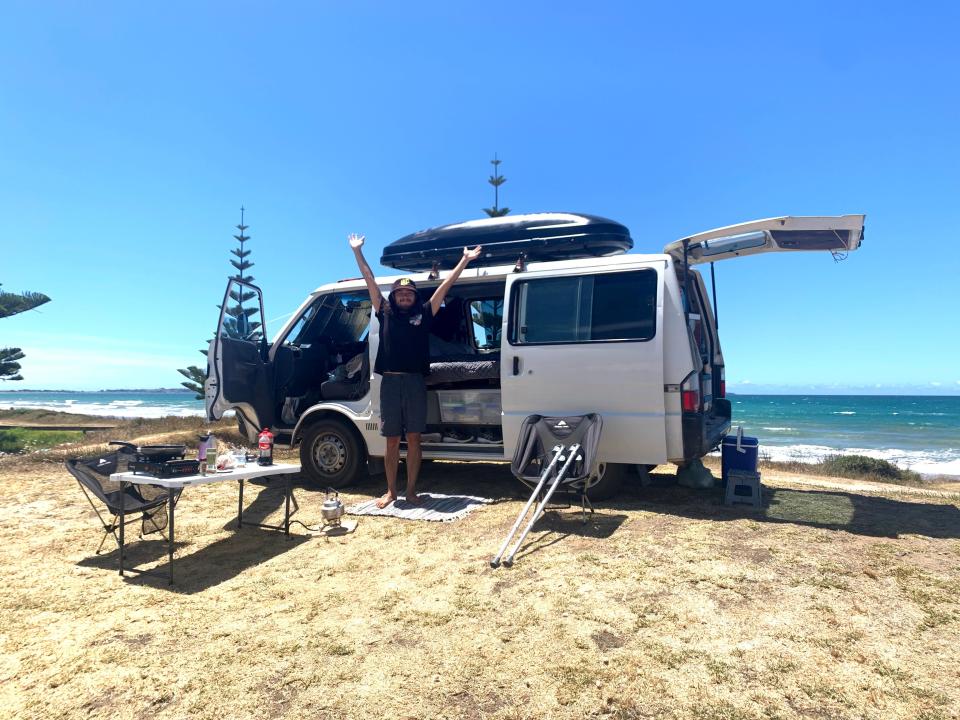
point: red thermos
(265, 447)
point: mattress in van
(463, 371)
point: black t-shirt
(404, 339)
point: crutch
(557, 454)
(572, 455)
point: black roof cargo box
(538, 236)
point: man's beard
(402, 311)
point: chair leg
(584, 503)
(107, 531)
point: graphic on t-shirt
(415, 319)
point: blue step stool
(743, 486)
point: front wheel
(331, 455)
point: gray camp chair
(552, 451)
(143, 503)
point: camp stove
(159, 461)
(165, 468)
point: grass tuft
(19, 440)
(855, 467)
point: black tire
(331, 455)
(611, 479)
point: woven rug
(435, 507)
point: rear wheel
(331, 454)
(611, 479)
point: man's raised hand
(356, 240)
(472, 254)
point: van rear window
(607, 307)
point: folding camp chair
(144, 503)
(553, 451)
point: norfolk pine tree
(490, 312)
(496, 180)
(235, 327)
(14, 304)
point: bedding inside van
(458, 371)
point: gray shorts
(403, 404)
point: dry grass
(830, 603)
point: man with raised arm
(403, 361)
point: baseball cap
(404, 284)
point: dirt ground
(838, 600)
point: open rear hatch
(837, 235)
(706, 412)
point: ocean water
(919, 433)
(125, 404)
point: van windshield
(337, 318)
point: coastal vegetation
(862, 466)
(858, 467)
(18, 440)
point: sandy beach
(839, 599)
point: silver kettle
(332, 509)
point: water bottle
(265, 447)
(211, 454)
(202, 453)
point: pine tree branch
(16, 303)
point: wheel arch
(315, 415)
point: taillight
(690, 400)
(723, 382)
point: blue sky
(130, 135)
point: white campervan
(631, 337)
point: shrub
(861, 466)
(16, 440)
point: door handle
(516, 364)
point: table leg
(170, 536)
(240, 506)
(286, 516)
(123, 496)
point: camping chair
(554, 450)
(146, 503)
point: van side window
(242, 319)
(608, 307)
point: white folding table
(250, 472)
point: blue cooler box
(743, 459)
